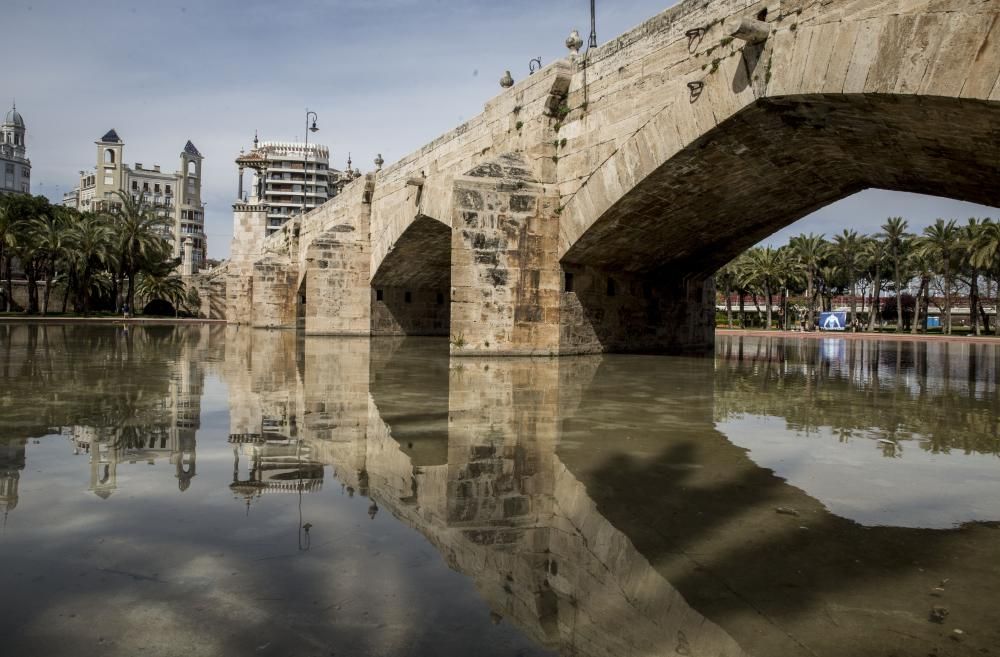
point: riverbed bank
(108, 319)
(897, 337)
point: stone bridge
(587, 207)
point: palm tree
(985, 255)
(875, 251)
(919, 263)
(139, 239)
(50, 232)
(764, 271)
(726, 279)
(897, 239)
(169, 288)
(969, 235)
(847, 251)
(940, 243)
(91, 238)
(810, 250)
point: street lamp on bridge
(310, 127)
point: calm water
(213, 491)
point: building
(287, 177)
(176, 195)
(15, 167)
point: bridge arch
(837, 100)
(411, 289)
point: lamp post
(593, 26)
(305, 166)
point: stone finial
(357, 172)
(574, 42)
(507, 81)
(379, 162)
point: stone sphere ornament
(507, 81)
(574, 42)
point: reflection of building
(169, 434)
(175, 195)
(11, 464)
(15, 167)
(273, 465)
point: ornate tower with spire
(15, 167)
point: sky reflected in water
(219, 491)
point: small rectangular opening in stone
(440, 299)
(408, 297)
(379, 295)
(569, 282)
(611, 287)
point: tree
(846, 251)
(875, 251)
(726, 279)
(139, 238)
(50, 232)
(91, 237)
(897, 240)
(940, 243)
(810, 250)
(764, 269)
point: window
(145, 186)
(156, 188)
(135, 185)
(611, 287)
(168, 190)
(568, 282)
(109, 156)
(440, 299)
(192, 168)
(379, 295)
(407, 297)
(109, 179)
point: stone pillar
(337, 264)
(239, 187)
(249, 231)
(187, 266)
(274, 293)
(505, 268)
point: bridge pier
(505, 273)
(336, 285)
(274, 294)
(615, 311)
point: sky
(384, 76)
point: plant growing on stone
(519, 125)
(458, 341)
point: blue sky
(385, 76)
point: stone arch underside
(640, 273)
(783, 158)
(410, 291)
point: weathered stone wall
(410, 311)
(275, 298)
(505, 275)
(616, 311)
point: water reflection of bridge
(514, 469)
